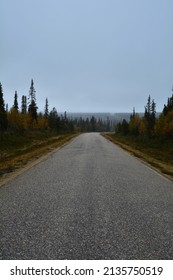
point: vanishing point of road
(87, 200)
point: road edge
(141, 159)
(7, 177)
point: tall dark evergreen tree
(2, 103)
(153, 111)
(32, 93)
(46, 109)
(32, 108)
(150, 115)
(148, 108)
(3, 114)
(15, 106)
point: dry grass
(17, 157)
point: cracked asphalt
(88, 200)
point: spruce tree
(150, 115)
(32, 92)
(46, 109)
(32, 108)
(2, 103)
(153, 111)
(3, 114)
(148, 108)
(15, 106)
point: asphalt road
(89, 200)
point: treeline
(93, 124)
(149, 125)
(27, 118)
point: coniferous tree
(3, 114)
(32, 93)
(148, 108)
(15, 106)
(150, 115)
(46, 109)
(2, 103)
(153, 111)
(32, 108)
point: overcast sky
(87, 55)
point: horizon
(11, 101)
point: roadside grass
(157, 153)
(16, 150)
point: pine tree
(15, 106)
(153, 111)
(150, 115)
(46, 109)
(3, 114)
(32, 108)
(148, 108)
(2, 103)
(32, 93)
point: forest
(149, 126)
(26, 118)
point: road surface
(88, 200)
